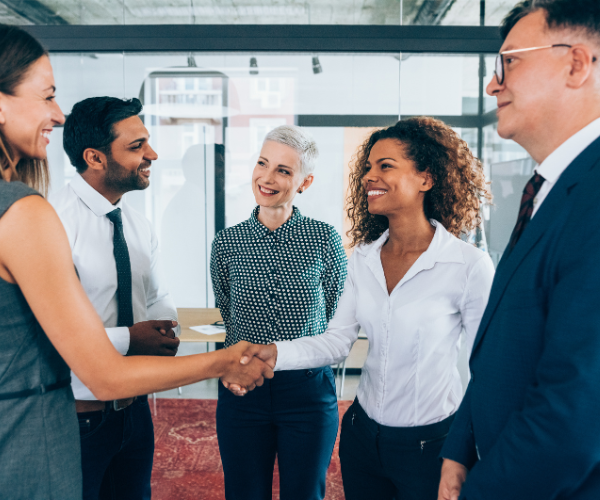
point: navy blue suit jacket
(529, 425)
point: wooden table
(191, 316)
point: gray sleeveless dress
(39, 433)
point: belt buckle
(116, 407)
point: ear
(96, 160)
(427, 181)
(306, 183)
(582, 64)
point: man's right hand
(244, 376)
(454, 475)
(153, 338)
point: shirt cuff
(120, 338)
(286, 355)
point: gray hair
(300, 141)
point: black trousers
(117, 450)
(294, 416)
(385, 463)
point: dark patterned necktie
(529, 193)
(121, 254)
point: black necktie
(121, 254)
(529, 193)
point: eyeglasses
(499, 71)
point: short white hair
(300, 141)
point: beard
(121, 180)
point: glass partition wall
(208, 114)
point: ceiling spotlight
(316, 66)
(253, 66)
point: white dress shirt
(82, 211)
(410, 377)
(557, 162)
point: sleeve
(220, 281)
(475, 297)
(460, 443)
(159, 302)
(330, 347)
(550, 445)
(334, 273)
(119, 337)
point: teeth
(267, 191)
(375, 193)
(46, 134)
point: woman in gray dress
(46, 320)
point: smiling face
(128, 165)
(392, 182)
(278, 176)
(28, 116)
(530, 98)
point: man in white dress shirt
(115, 252)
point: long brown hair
(18, 51)
(458, 182)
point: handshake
(248, 366)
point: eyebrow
(383, 159)
(143, 139)
(52, 87)
(280, 165)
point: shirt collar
(557, 162)
(92, 198)
(282, 233)
(444, 247)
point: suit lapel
(544, 218)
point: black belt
(36, 391)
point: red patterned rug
(187, 464)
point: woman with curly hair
(413, 286)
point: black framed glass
(499, 70)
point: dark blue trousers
(386, 463)
(117, 449)
(294, 416)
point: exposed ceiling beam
(34, 11)
(432, 12)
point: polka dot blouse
(277, 285)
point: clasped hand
(248, 355)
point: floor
(208, 388)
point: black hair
(583, 15)
(91, 125)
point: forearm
(321, 350)
(139, 374)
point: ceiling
(348, 12)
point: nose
(268, 176)
(493, 88)
(150, 154)
(57, 115)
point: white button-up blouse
(410, 377)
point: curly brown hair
(459, 184)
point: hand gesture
(266, 353)
(245, 376)
(453, 477)
(153, 338)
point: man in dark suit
(529, 425)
